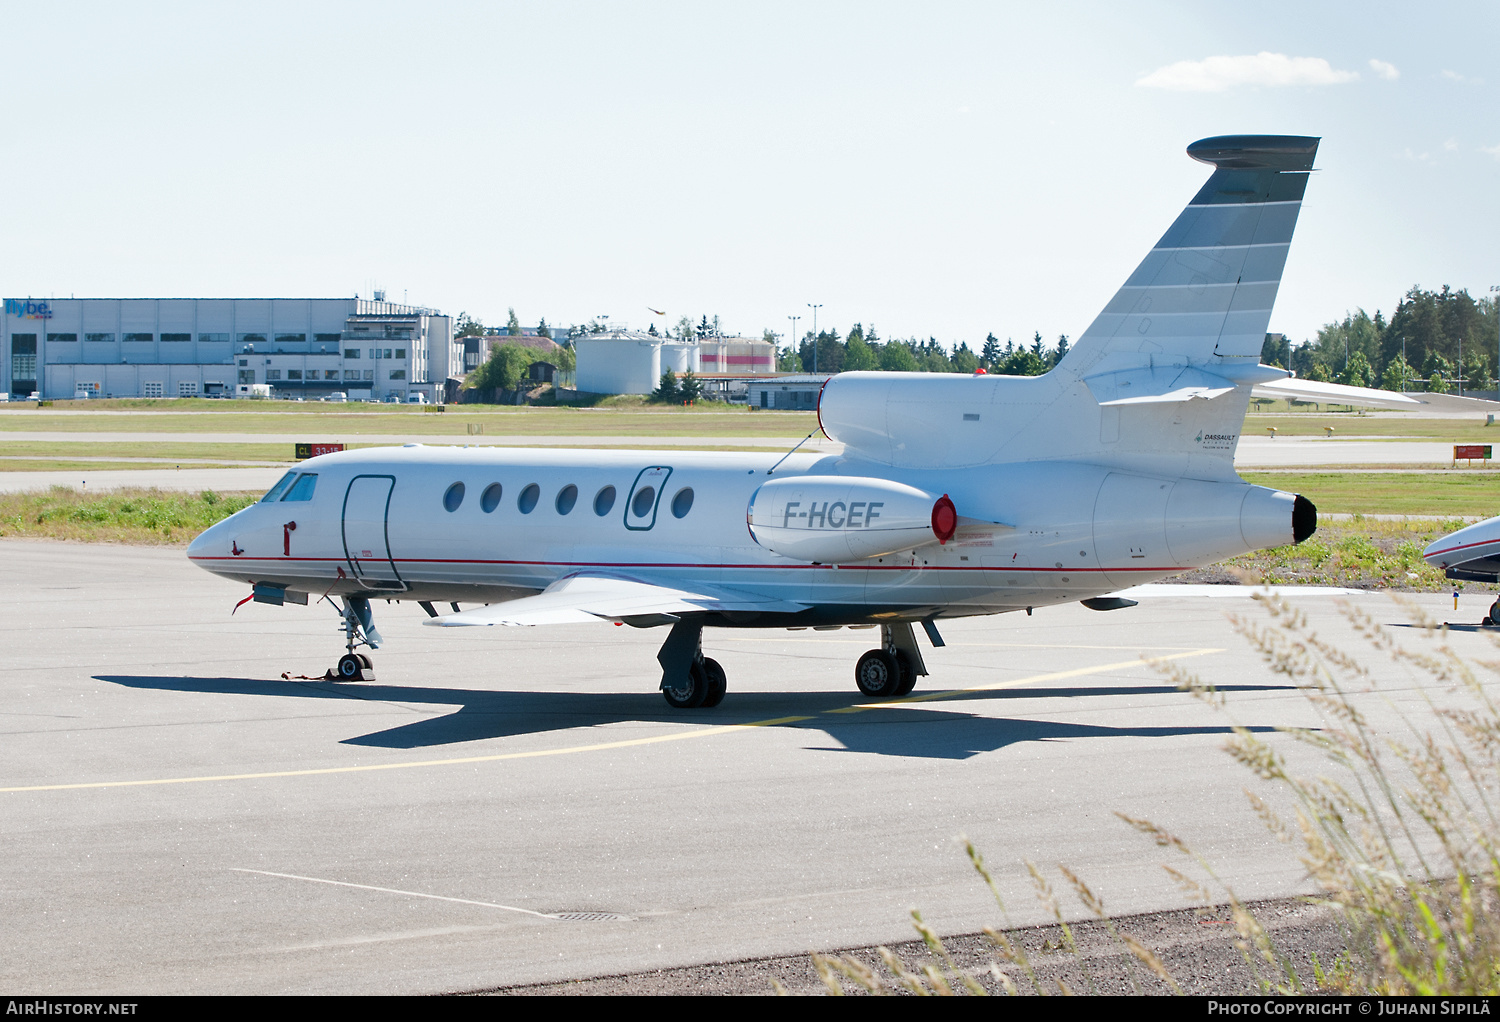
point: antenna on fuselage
(793, 451)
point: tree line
(1435, 341)
(863, 349)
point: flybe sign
(27, 309)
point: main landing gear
(891, 671)
(688, 678)
(359, 630)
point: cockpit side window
(303, 488)
(275, 492)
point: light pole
(815, 309)
(794, 327)
(1495, 305)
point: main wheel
(688, 692)
(718, 683)
(878, 674)
(1495, 613)
(350, 668)
(908, 675)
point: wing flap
(586, 598)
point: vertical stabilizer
(1203, 294)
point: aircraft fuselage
(392, 523)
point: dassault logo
(833, 515)
(1217, 441)
(27, 309)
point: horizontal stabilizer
(1334, 393)
(585, 598)
(1156, 384)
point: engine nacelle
(838, 519)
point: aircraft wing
(593, 597)
(1336, 393)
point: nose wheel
(355, 667)
(359, 630)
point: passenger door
(366, 533)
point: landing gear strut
(891, 671)
(688, 678)
(359, 630)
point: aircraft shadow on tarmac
(922, 729)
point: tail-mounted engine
(835, 520)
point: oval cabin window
(454, 497)
(604, 501)
(645, 497)
(566, 498)
(490, 498)
(529, 496)
(683, 502)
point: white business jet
(1471, 554)
(954, 495)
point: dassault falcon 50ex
(953, 496)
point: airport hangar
(226, 347)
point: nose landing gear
(359, 630)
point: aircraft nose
(207, 542)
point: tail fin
(1203, 294)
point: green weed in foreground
(1399, 833)
(144, 516)
(1361, 552)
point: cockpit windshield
(276, 491)
(302, 489)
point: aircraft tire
(908, 675)
(1495, 613)
(878, 674)
(718, 682)
(691, 691)
(350, 668)
(365, 662)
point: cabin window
(683, 502)
(303, 488)
(275, 492)
(454, 497)
(566, 498)
(645, 497)
(490, 498)
(604, 501)
(529, 496)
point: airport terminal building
(225, 347)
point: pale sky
(943, 169)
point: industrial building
(224, 347)
(631, 362)
(797, 393)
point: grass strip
(1458, 492)
(145, 517)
